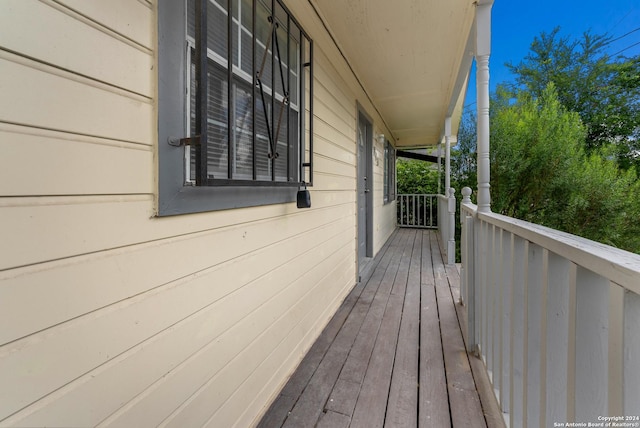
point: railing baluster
(505, 324)
(491, 312)
(498, 310)
(406, 210)
(616, 357)
(487, 307)
(542, 376)
(431, 211)
(485, 272)
(561, 272)
(592, 321)
(413, 210)
(631, 354)
(495, 318)
(464, 293)
(424, 210)
(534, 321)
(571, 347)
(470, 297)
(517, 331)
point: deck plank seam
(394, 244)
(402, 314)
(434, 260)
(464, 339)
(410, 256)
(401, 248)
(356, 299)
(420, 302)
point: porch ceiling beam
(418, 156)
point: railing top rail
(417, 194)
(619, 266)
(467, 206)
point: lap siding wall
(112, 316)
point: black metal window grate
(250, 89)
(389, 179)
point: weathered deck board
(433, 408)
(490, 407)
(403, 394)
(464, 401)
(311, 402)
(393, 355)
(372, 401)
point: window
(389, 173)
(235, 105)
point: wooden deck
(393, 355)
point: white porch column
(447, 155)
(451, 241)
(483, 50)
(439, 146)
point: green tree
(603, 203)
(604, 91)
(416, 177)
(464, 156)
(533, 143)
(540, 172)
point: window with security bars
(389, 179)
(250, 96)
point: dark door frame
(368, 183)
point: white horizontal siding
(60, 39)
(158, 349)
(47, 97)
(66, 226)
(132, 19)
(110, 167)
(103, 278)
(319, 306)
(113, 316)
(239, 351)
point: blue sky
(516, 22)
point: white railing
(418, 211)
(443, 216)
(447, 224)
(555, 318)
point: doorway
(365, 190)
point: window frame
(175, 194)
(389, 173)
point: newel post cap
(466, 194)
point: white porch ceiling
(412, 56)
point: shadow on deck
(393, 355)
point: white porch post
(447, 155)
(439, 169)
(450, 193)
(483, 50)
(451, 241)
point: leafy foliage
(605, 92)
(534, 143)
(464, 156)
(540, 172)
(416, 177)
